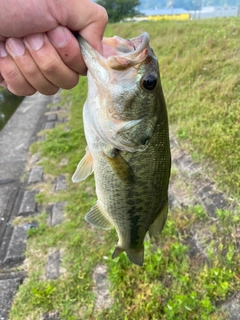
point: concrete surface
(15, 140)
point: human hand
(37, 50)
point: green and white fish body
(126, 128)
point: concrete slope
(15, 140)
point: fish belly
(133, 207)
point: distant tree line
(120, 9)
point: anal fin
(84, 168)
(158, 224)
(117, 252)
(96, 218)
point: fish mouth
(118, 53)
(117, 46)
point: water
(8, 104)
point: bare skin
(37, 50)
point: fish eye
(149, 82)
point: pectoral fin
(119, 165)
(96, 218)
(158, 224)
(84, 168)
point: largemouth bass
(126, 128)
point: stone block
(60, 183)
(57, 213)
(56, 216)
(36, 175)
(50, 316)
(28, 205)
(52, 266)
(232, 307)
(54, 108)
(16, 248)
(101, 288)
(52, 117)
(49, 125)
(8, 289)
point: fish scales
(126, 128)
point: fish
(127, 133)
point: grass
(172, 284)
(199, 66)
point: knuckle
(11, 72)
(102, 14)
(52, 72)
(30, 72)
(49, 67)
(70, 83)
(16, 82)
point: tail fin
(136, 257)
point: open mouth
(117, 46)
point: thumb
(88, 18)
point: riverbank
(15, 139)
(191, 267)
(192, 270)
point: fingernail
(16, 46)
(3, 52)
(35, 41)
(58, 36)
